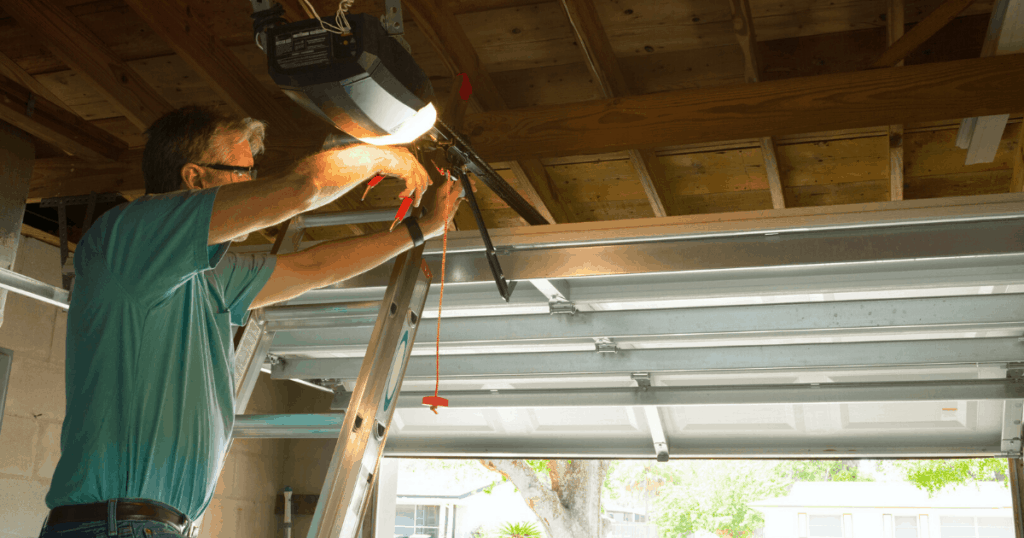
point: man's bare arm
(242, 208)
(327, 263)
(334, 261)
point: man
(149, 373)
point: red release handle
(404, 208)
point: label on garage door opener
(303, 49)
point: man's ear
(191, 177)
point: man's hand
(336, 172)
(448, 197)
(400, 162)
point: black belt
(126, 510)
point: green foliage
(715, 496)
(935, 475)
(823, 471)
(523, 529)
(539, 466)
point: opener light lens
(410, 130)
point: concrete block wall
(34, 411)
(30, 432)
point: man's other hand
(449, 196)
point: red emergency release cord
(436, 401)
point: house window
(826, 527)
(976, 527)
(417, 520)
(906, 526)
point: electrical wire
(341, 25)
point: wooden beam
(442, 29)
(921, 32)
(194, 42)
(743, 22)
(604, 66)
(71, 176)
(771, 168)
(84, 52)
(52, 124)
(746, 36)
(912, 94)
(13, 71)
(1017, 182)
(49, 239)
(895, 27)
(981, 136)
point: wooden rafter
(895, 25)
(48, 238)
(70, 176)
(604, 66)
(194, 42)
(1017, 183)
(918, 93)
(52, 124)
(981, 136)
(10, 69)
(441, 28)
(84, 52)
(921, 32)
(743, 21)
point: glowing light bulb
(410, 130)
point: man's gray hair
(185, 136)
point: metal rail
(30, 287)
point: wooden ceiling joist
(194, 42)
(52, 124)
(69, 176)
(895, 33)
(743, 21)
(981, 136)
(604, 66)
(1017, 180)
(919, 93)
(10, 69)
(439, 25)
(84, 52)
(921, 32)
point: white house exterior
(887, 510)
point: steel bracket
(393, 18)
(605, 345)
(561, 308)
(643, 379)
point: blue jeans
(110, 529)
(100, 529)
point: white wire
(341, 25)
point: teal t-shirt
(150, 388)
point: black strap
(414, 231)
